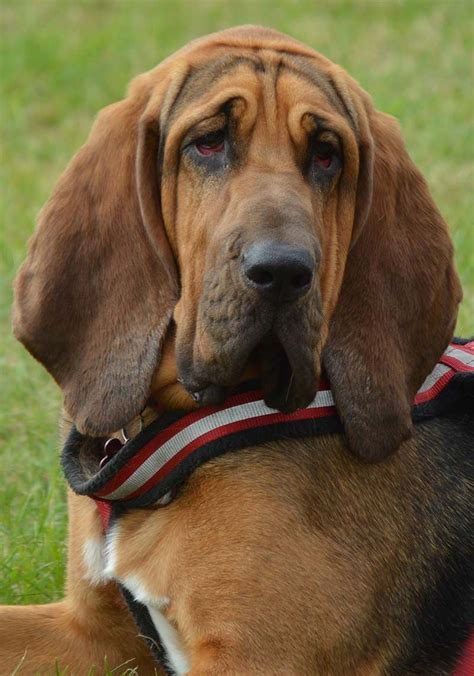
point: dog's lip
(209, 395)
(286, 387)
(272, 366)
(204, 392)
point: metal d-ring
(123, 432)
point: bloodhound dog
(245, 212)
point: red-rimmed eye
(323, 155)
(321, 161)
(211, 144)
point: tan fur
(271, 558)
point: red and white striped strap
(455, 359)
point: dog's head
(247, 201)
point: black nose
(278, 271)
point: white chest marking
(170, 639)
(111, 551)
(93, 553)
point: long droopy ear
(95, 296)
(398, 303)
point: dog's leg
(91, 627)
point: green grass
(62, 61)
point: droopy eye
(211, 144)
(323, 154)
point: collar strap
(165, 453)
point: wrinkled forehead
(261, 73)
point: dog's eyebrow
(199, 80)
(305, 68)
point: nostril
(302, 279)
(260, 275)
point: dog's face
(256, 195)
(246, 201)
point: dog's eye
(323, 155)
(211, 144)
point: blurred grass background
(62, 61)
